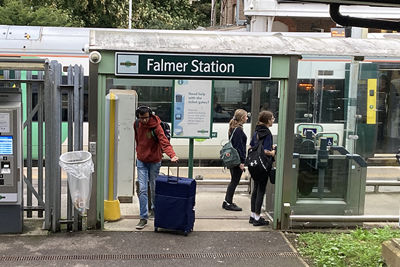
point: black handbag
(272, 174)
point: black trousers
(257, 195)
(236, 173)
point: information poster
(4, 122)
(192, 109)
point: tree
(147, 14)
(93, 13)
(17, 12)
(164, 14)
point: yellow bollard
(112, 210)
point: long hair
(235, 121)
(264, 117)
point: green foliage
(164, 14)
(95, 13)
(18, 12)
(146, 14)
(358, 248)
(203, 11)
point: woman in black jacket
(265, 121)
(239, 140)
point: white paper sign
(192, 108)
(4, 122)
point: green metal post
(101, 103)
(284, 179)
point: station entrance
(318, 168)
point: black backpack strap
(153, 133)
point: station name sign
(192, 65)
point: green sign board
(192, 65)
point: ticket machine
(11, 175)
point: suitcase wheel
(155, 229)
(186, 233)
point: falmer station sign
(192, 66)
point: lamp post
(130, 15)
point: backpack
(258, 164)
(164, 126)
(229, 155)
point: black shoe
(251, 220)
(232, 206)
(260, 222)
(142, 223)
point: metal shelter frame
(285, 52)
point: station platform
(211, 191)
(210, 216)
(211, 188)
(220, 237)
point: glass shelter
(334, 100)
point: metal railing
(43, 100)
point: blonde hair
(237, 117)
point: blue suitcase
(174, 203)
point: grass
(360, 247)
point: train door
(388, 109)
(366, 114)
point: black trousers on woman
(257, 196)
(236, 173)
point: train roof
(71, 41)
(255, 43)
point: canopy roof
(243, 43)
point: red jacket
(147, 148)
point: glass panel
(362, 119)
(326, 182)
(320, 124)
(229, 96)
(269, 97)
(320, 90)
(155, 93)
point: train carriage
(322, 88)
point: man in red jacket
(149, 155)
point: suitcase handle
(172, 180)
(177, 171)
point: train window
(269, 97)
(230, 95)
(155, 93)
(320, 100)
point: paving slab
(210, 216)
(95, 248)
